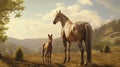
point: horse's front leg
(82, 52)
(69, 52)
(65, 49)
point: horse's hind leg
(82, 52)
(69, 52)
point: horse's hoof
(64, 62)
(68, 60)
(88, 63)
(82, 63)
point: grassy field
(111, 59)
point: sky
(37, 18)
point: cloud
(76, 13)
(111, 5)
(85, 2)
(59, 4)
(28, 28)
(72, 9)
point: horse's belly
(71, 37)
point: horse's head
(50, 37)
(57, 17)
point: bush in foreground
(19, 54)
(106, 49)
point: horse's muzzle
(54, 22)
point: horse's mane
(65, 16)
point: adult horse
(75, 32)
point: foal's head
(50, 37)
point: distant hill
(107, 34)
(9, 48)
(33, 44)
(36, 44)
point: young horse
(47, 50)
(75, 32)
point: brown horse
(75, 32)
(47, 50)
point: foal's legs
(50, 56)
(65, 49)
(82, 52)
(46, 56)
(69, 51)
(43, 55)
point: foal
(47, 50)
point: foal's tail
(88, 31)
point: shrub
(101, 50)
(19, 54)
(106, 49)
(117, 42)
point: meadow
(99, 59)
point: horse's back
(78, 29)
(80, 23)
(75, 31)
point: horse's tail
(88, 30)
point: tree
(19, 54)
(7, 7)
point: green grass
(111, 59)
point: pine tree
(19, 54)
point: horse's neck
(64, 21)
(50, 42)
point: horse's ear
(48, 35)
(51, 35)
(59, 11)
(56, 12)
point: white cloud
(59, 4)
(68, 10)
(38, 15)
(85, 2)
(29, 28)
